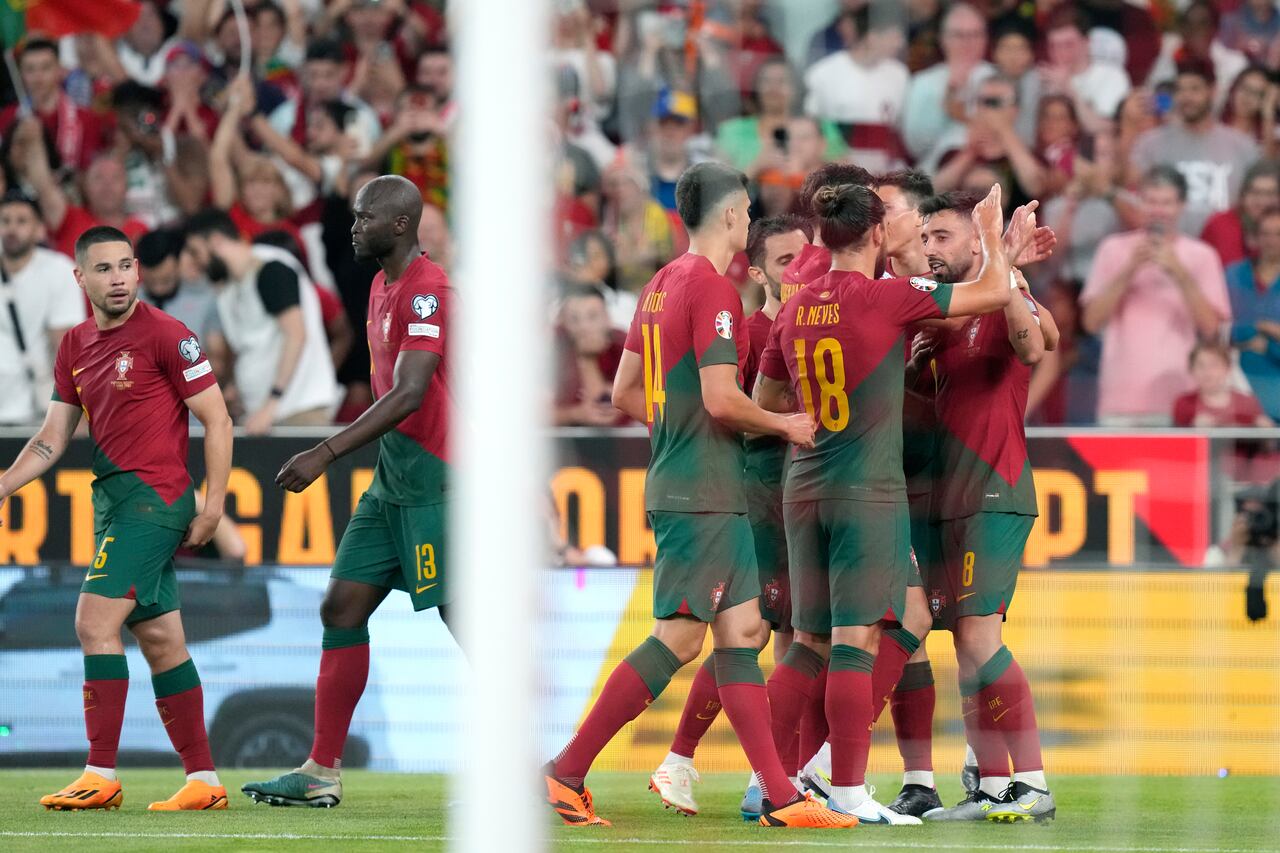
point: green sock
(989, 673)
(341, 638)
(738, 666)
(106, 668)
(851, 659)
(180, 679)
(654, 663)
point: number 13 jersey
(689, 317)
(839, 342)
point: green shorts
(924, 539)
(981, 555)
(764, 511)
(396, 547)
(134, 559)
(706, 563)
(849, 562)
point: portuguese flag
(55, 18)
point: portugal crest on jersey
(425, 305)
(124, 363)
(717, 593)
(937, 601)
(724, 325)
(772, 593)
(189, 349)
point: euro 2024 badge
(124, 363)
(724, 325)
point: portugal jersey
(689, 317)
(811, 264)
(839, 343)
(982, 401)
(131, 382)
(766, 454)
(412, 313)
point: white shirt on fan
(46, 297)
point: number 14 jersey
(689, 317)
(839, 342)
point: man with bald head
(396, 538)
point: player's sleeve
(64, 386)
(422, 316)
(909, 300)
(183, 361)
(278, 288)
(772, 362)
(715, 319)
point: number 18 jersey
(839, 342)
(689, 317)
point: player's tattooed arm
(44, 448)
(40, 448)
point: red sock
(344, 671)
(988, 746)
(890, 659)
(1007, 708)
(813, 725)
(103, 716)
(633, 684)
(789, 689)
(912, 712)
(183, 718)
(700, 710)
(746, 703)
(849, 710)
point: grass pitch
(398, 812)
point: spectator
(939, 96)
(278, 37)
(588, 350)
(1150, 308)
(835, 36)
(755, 143)
(1135, 116)
(39, 302)
(192, 302)
(1082, 215)
(1196, 41)
(315, 168)
(1233, 233)
(992, 141)
(669, 137)
(1014, 57)
(434, 74)
(747, 29)
(143, 50)
(161, 187)
(804, 150)
(186, 76)
(103, 188)
(1058, 134)
(589, 263)
(645, 236)
(415, 147)
(1096, 87)
(324, 75)
(270, 314)
(434, 236)
(1253, 28)
(1211, 156)
(1251, 107)
(77, 134)
(1255, 308)
(573, 44)
(864, 88)
(1214, 403)
(924, 34)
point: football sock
(633, 684)
(813, 725)
(1004, 699)
(108, 773)
(746, 703)
(180, 701)
(106, 686)
(919, 777)
(849, 714)
(677, 758)
(1034, 778)
(849, 797)
(344, 671)
(208, 777)
(897, 645)
(911, 706)
(993, 786)
(970, 757)
(789, 687)
(700, 710)
(991, 754)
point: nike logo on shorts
(423, 589)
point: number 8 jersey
(839, 342)
(689, 317)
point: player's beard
(102, 305)
(946, 272)
(882, 261)
(774, 286)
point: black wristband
(277, 392)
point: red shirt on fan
(131, 382)
(79, 220)
(1241, 410)
(77, 133)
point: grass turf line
(399, 812)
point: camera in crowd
(1258, 513)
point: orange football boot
(575, 809)
(90, 791)
(195, 796)
(806, 814)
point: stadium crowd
(1146, 130)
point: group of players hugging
(841, 472)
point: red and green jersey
(412, 313)
(839, 342)
(131, 382)
(811, 264)
(919, 427)
(981, 404)
(766, 454)
(689, 317)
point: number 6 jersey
(839, 342)
(689, 317)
